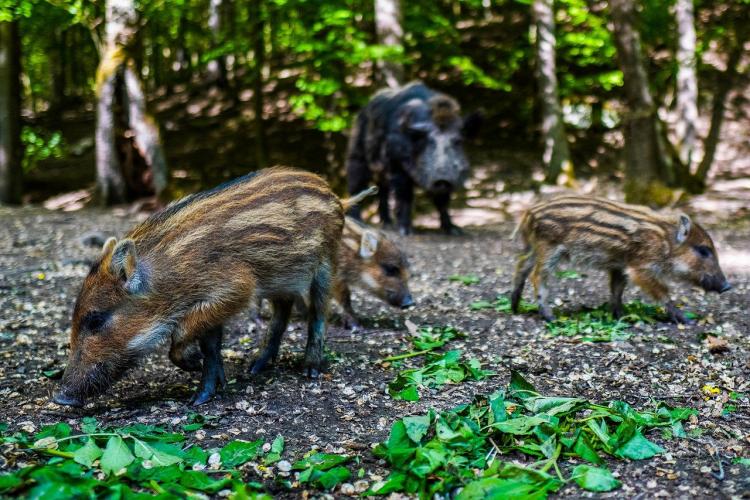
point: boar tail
(357, 198)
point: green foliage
(438, 452)
(323, 470)
(438, 370)
(135, 460)
(590, 325)
(465, 279)
(39, 145)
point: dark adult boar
(368, 259)
(184, 271)
(629, 241)
(410, 136)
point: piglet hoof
(404, 231)
(677, 316)
(259, 365)
(312, 372)
(618, 312)
(453, 231)
(547, 315)
(350, 323)
(202, 397)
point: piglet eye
(94, 321)
(703, 251)
(390, 270)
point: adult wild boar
(184, 271)
(412, 135)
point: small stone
(214, 461)
(347, 489)
(284, 466)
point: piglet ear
(368, 245)
(683, 228)
(124, 261)
(108, 246)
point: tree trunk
(10, 114)
(390, 33)
(259, 59)
(556, 156)
(687, 83)
(217, 69)
(724, 85)
(648, 170)
(129, 157)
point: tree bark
(648, 170)
(724, 86)
(390, 33)
(11, 171)
(687, 82)
(556, 156)
(129, 157)
(259, 60)
(217, 69)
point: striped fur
(629, 241)
(187, 269)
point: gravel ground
(42, 263)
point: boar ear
(124, 260)
(108, 246)
(683, 228)
(368, 245)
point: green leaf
(88, 453)
(333, 477)
(595, 478)
(9, 482)
(238, 452)
(321, 461)
(156, 457)
(521, 387)
(639, 448)
(116, 456)
(417, 427)
(89, 425)
(198, 480)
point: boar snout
(407, 301)
(717, 284)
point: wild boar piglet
(629, 241)
(370, 260)
(184, 271)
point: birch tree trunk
(10, 114)
(259, 60)
(648, 171)
(391, 33)
(556, 155)
(217, 68)
(129, 157)
(687, 83)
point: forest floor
(43, 261)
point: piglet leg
(282, 309)
(617, 283)
(213, 367)
(653, 286)
(320, 290)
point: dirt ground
(42, 263)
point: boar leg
(617, 283)
(320, 290)
(523, 268)
(282, 309)
(650, 284)
(384, 211)
(344, 298)
(442, 201)
(213, 367)
(185, 355)
(403, 188)
(539, 276)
